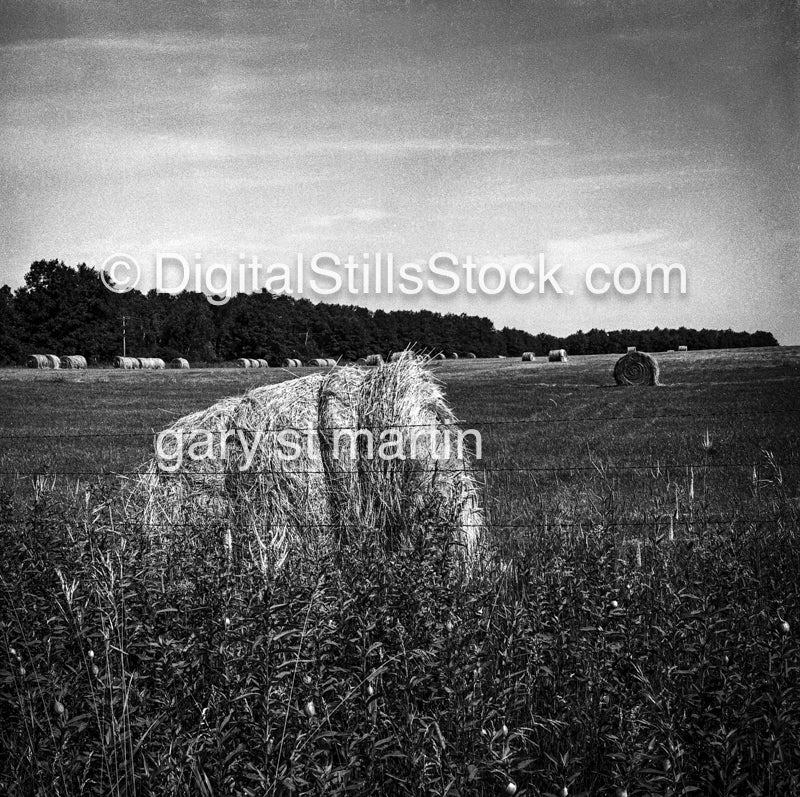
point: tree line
(66, 310)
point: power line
(477, 422)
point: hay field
(633, 629)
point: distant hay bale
(126, 363)
(373, 359)
(317, 362)
(262, 363)
(636, 368)
(438, 356)
(452, 356)
(180, 363)
(151, 363)
(49, 361)
(333, 495)
(74, 361)
(331, 363)
(396, 355)
(242, 362)
(557, 356)
(683, 348)
(631, 348)
(254, 363)
(291, 363)
(528, 356)
(361, 361)
(470, 355)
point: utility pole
(124, 319)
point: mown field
(633, 628)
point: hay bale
(263, 363)
(242, 362)
(396, 355)
(126, 363)
(528, 356)
(452, 356)
(151, 363)
(557, 356)
(180, 363)
(630, 349)
(291, 363)
(48, 361)
(361, 361)
(636, 368)
(470, 355)
(317, 362)
(329, 498)
(74, 361)
(438, 356)
(683, 348)
(331, 362)
(373, 359)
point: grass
(633, 631)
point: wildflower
(785, 627)
(564, 792)
(511, 787)
(58, 707)
(504, 730)
(310, 710)
(95, 670)
(90, 654)
(614, 604)
(622, 792)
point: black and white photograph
(400, 397)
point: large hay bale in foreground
(332, 493)
(43, 361)
(557, 356)
(74, 361)
(636, 368)
(528, 356)
(180, 363)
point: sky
(613, 131)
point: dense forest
(65, 310)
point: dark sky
(590, 130)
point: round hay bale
(373, 359)
(291, 363)
(331, 362)
(317, 362)
(557, 356)
(53, 361)
(325, 499)
(630, 349)
(38, 361)
(395, 356)
(157, 364)
(452, 356)
(262, 363)
(144, 362)
(683, 348)
(438, 356)
(180, 363)
(242, 362)
(361, 361)
(74, 361)
(528, 356)
(636, 368)
(470, 355)
(126, 363)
